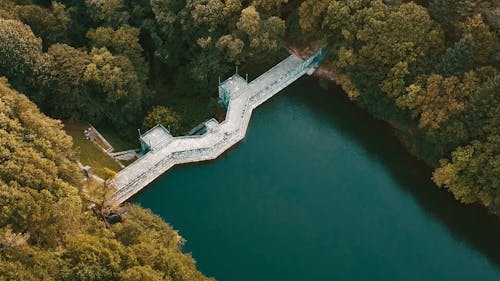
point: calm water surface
(319, 190)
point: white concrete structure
(240, 98)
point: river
(319, 190)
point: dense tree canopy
(52, 25)
(473, 173)
(21, 56)
(47, 233)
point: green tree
(122, 41)
(269, 6)
(52, 25)
(109, 12)
(439, 98)
(167, 40)
(7, 10)
(20, 261)
(483, 109)
(232, 8)
(459, 58)
(263, 35)
(312, 13)
(232, 47)
(36, 173)
(270, 34)
(473, 173)
(449, 12)
(249, 21)
(100, 194)
(70, 97)
(485, 43)
(406, 34)
(164, 116)
(92, 258)
(115, 75)
(209, 13)
(21, 57)
(141, 273)
(394, 85)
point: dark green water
(321, 191)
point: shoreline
(322, 73)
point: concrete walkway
(243, 98)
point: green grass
(120, 143)
(90, 153)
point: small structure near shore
(156, 136)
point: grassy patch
(120, 143)
(90, 153)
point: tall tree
(164, 116)
(122, 41)
(439, 98)
(52, 25)
(485, 42)
(473, 173)
(449, 12)
(108, 12)
(459, 58)
(21, 56)
(70, 96)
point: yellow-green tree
(439, 98)
(46, 233)
(473, 174)
(163, 116)
(21, 56)
(52, 25)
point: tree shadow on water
(471, 224)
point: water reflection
(471, 224)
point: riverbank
(326, 74)
(401, 131)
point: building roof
(233, 84)
(158, 135)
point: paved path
(244, 98)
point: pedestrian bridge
(163, 151)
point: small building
(229, 89)
(156, 136)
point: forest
(428, 67)
(46, 230)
